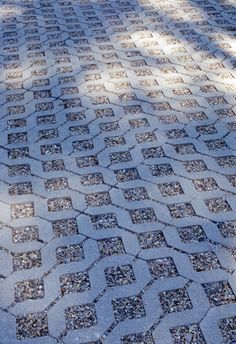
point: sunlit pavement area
(117, 179)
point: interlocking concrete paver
(117, 178)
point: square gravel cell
(161, 106)
(161, 170)
(232, 180)
(149, 82)
(118, 75)
(139, 123)
(100, 100)
(127, 308)
(97, 199)
(224, 113)
(145, 137)
(153, 153)
(162, 268)
(22, 210)
(180, 210)
(122, 85)
(216, 145)
(74, 283)
(194, 166)
(151, 239)
(65, 227)
(170, 189)
(114, 141)
(226, 161)
(92, 179)
(29, 290)
(227, 228)
(219, 293)
(136, 194)
(75, 116)
(56, 184)
(126, 97)
(119, 275)
(126, 175)
(205, 184)
(25, 234)
(82, 316)
(185, 148)
(111, 246)
(20, 189)
(109, 126)
(53, 165)
(26, 260)
(19, 170)
(133, 109)
(100, 113)
(206, 129)
(187, 334)
(154, 94)
(84, 145)
(70, 253)
(176, 133)
(54, 148)
(228, 329)
(175, 300)
(119, 157)
(18, 153)
(47, 134)
(143, 215)
(191, 234)
(16, 123)
(71, 103)
(168, 119)
(104, 221)
(59, 204)
(138, 338)
(31, 325)
(48, 119)
(204, 261)
(217, 205)
(87, 161)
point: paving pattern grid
(117, 178)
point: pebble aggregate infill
(187, 334)
(119, 275)
(117, 172)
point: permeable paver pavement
(117, 178)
